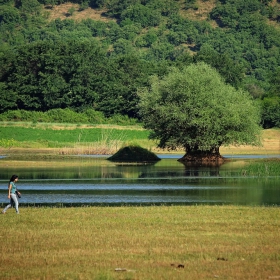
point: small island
(134, 154)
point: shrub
(66, 116)
(121, 120)
(94, 116)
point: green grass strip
(71, 136)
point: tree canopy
(195, 109)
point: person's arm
(9, 195)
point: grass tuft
(263, 167)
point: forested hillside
(95, 54)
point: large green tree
(195, 109)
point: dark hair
(13, 178)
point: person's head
(14, 178)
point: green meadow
(25, 134)
(57, 136)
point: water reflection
(95, 181)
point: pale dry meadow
(155, 242)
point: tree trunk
(197, 156)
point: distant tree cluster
(47, 64)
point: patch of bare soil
(273, 22)
(62, 11)
(202, 11)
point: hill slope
(98, 53)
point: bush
(94, 116)
(121, 120)
(21, 115)
(271, 112)
(89, 116)
(66, 116)
(141, 14)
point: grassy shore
(178, 242)
(72, 139)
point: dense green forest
(81, 63)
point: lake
(92, 180)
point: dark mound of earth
(134, 154)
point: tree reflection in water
(211, 169)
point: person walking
(12, 194)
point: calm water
(96, 181)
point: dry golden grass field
(270, 145)
(156, 242)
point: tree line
(88, 64)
